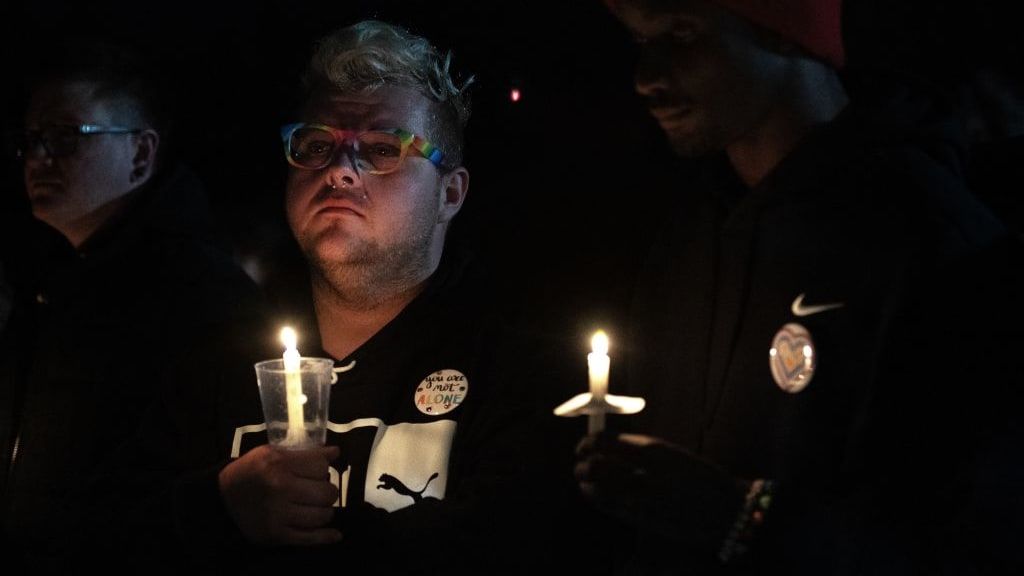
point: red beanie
(813, 24)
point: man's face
(706, 77)
(351, 223)
(66, 190)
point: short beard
(693, 145)
(371, 274)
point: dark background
(567, 185)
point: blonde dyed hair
(373, 54)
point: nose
(35, 150)
(650, 76)
(343, 171)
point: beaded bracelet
(756, 504)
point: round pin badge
(441, 392)
(792, 358)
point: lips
(670, 115)
(43, 187)
(43, 178)
(338, 208)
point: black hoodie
(95, 336)
(865, 217)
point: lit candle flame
(599, 343)
(289, 338)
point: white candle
(598, 363)
(293, 386)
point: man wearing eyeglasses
(423, 447)
(125, 303)
(76, 192)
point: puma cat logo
(389, 482)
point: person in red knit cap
(798, 331)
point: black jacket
(151, 305)
(868, 212)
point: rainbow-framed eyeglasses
(314, 146)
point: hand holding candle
(596, 403)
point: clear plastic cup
(295, 403)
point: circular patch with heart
(792, 358)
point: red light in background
(515, 95)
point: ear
(144, 159)
(454, 186)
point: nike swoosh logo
(800, 310)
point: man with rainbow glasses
(420, 441)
